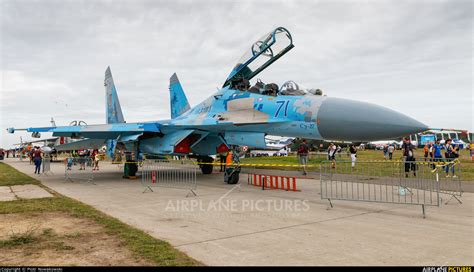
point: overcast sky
(412, 56)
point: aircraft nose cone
(349, 120)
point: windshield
(292, 88)
(261, 54)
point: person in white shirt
(391, 148)
(353, 151)
(332, 154)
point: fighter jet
(242, 115)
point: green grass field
(141, 244)
(9, 176)
(381, 168)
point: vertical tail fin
(113, 111)
(178, 101)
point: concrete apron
(257, 233)
(28, 191)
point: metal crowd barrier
(449, 185)
(179, 174)
(46, 165)
(320, 154)
(78, 168)
(385, 182)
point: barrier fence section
(272, 182)
(450, 185)
(385, 181)
(46, 164)
(79, 168)
(180, 174)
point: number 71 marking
(282, 102)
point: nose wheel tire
(234, 178)
(231, 175)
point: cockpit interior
(271, 89)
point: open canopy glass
(261, 54)
(292, 88)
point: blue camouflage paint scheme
(113, 112)
(165, 144)
(242, 138)
(235, 117)
(283, 119)
(178, 101)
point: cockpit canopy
(260, 55)
(288, 88)
(292, 88)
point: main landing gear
(205, 163)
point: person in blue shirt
(436, 153)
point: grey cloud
(406, 55)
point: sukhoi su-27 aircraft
(239, 114)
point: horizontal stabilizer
(105, 131)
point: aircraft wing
(38, 141)
(104, 131)
(81, 144)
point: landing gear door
(261, 54)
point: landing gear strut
(231, 175)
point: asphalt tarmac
(243, 225)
